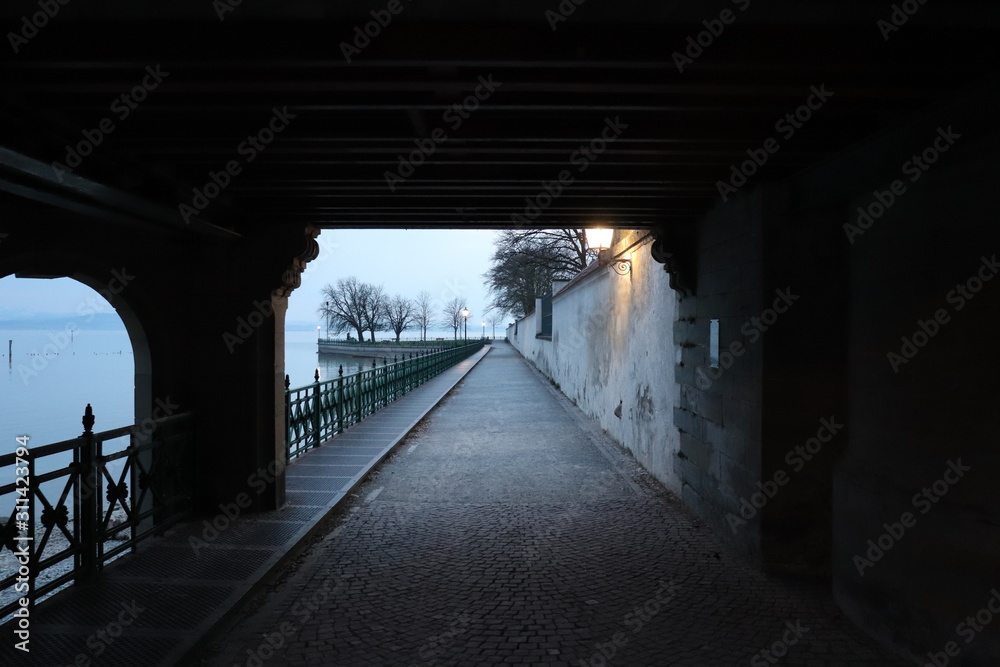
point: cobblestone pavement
(508, 530)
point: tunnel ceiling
(608, 67)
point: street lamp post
(328, 320)
(484, 329)
(465, 314)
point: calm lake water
(44, 392)
(49, 380)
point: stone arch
(110, 282)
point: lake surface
(44, 392)
(51, 377)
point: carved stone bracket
(291, 279)
(675, 249)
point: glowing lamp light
(599, 238)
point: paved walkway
(156, 606)
(507, 530)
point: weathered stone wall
(854, 436)
(719, 412)
(612, 345)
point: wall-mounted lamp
(599, 239)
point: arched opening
(401, 271)
(54, 334)
(69, 340)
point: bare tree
(564, 252)
(399, 314)
(373, 312)
(453, 314)
(526, 261)
(345, 306)
(515, 282)
(422, 313)
(495, 316)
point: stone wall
(849, 430)
(611, 347)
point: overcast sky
(446, 263)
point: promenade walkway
(507, 529)
(156, 606)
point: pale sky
(446, 263)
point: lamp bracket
(622, 267)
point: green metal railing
(317, 412)
(430, 343)
(73, 512)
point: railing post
(395, 379)
(357, 397)
(385, 383)
(90, 501)
(317, 404)
(288, 420)
(339, 398)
